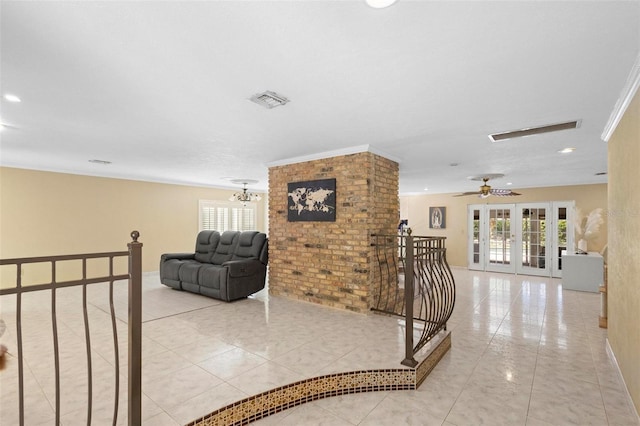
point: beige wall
(624, 247)
(44, 213)
(416, 209)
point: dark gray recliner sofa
(226, 266)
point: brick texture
(333, 263)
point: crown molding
(334, 153)
(628, 92)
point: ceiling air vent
(269, 99)
(535, 130)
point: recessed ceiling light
(11, 98)
(566, 150)
(100, 161)
(509, 183)
(426, 189)
(380, 4)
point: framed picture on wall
(437, 217)
(312, 201)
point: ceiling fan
(486, 190)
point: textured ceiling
(161, 89)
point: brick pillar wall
(332, 263)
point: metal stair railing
(134, 277)
(414, 281)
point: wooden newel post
(135, 330)
(409, 361)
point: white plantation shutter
(243, 218)
(226, 216)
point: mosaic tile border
(281, 398)
(426, 365)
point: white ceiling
(161, 88)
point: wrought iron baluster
(87, 336)
(429, 287)
(56, 349)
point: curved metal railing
(414, 281)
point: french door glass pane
(562, 234)
(476, 236)
(533, 237)
(500, 236)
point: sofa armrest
(177, 256)
(244, 268)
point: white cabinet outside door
(583, 272)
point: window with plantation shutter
(226, 216)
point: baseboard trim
(624, 384)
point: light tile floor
(524, 352)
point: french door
(525, 238)
(492, 237)
(533, 237)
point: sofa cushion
(225, 248)
(170, 264)
(169, 269)
(250, 244)
(193, 288)
(189, 271)
(206, 244)
(211, 292)
(212, 276)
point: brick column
(332, 263)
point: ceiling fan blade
(503, 192)
(468, 193)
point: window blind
(226, 216)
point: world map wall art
(312, 201)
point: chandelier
(245, 196)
